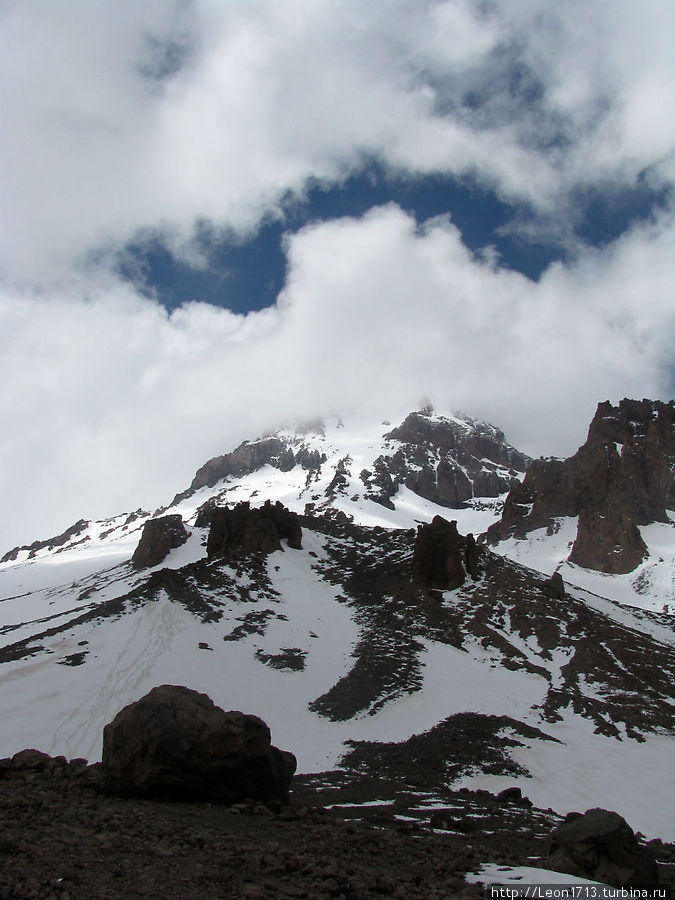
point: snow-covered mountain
(310, 617)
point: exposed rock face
(249, 457)
(243, 529)
(438, 557)
(608, 540)
(159, 537)
(446, 461)
(600, 845)
(620, 478)
(177, 743)
(59, 540)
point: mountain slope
(333, 643)
(507, 679)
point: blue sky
(244, 274)
(220, 217)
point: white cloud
(127, 116)
(262, 96)
(111, 402)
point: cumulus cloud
(111, 402)
(163, 114)
(171, 116)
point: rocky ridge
(623, 476)
(447, 460)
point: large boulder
(600, 845)
(438, 557)
(554, 587)
(159, 537)
(243, 529)
(175, 742)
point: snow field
(587, 770)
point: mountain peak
(621, 478)
(450, 461)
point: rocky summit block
(175, 742)
(602, 846)
(159, 537)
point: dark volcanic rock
(554, 586)
(245, 459)
(471, 557)
(448, 461)
(608, 540)
(438, 556)
(243, 529)
(159, 537)
(622, 477)
(60, 540)
(175, 742)
(602, 846)
(249, 457)
(33, 760)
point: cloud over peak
(185, 119)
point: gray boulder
(600, 845)
(175, 742)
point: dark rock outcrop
(471, 557)
(177, 743)
(608, 540)
(622, 477)
(251, 456)
(31, 760)
(243, 529)
(554, 586)
(600, 845)
(159, 537)
(438, 557)
(446, 461)
(246, 458)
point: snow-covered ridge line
(330, 466)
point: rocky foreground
(61, 838)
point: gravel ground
(341, 836)
(61, 839)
